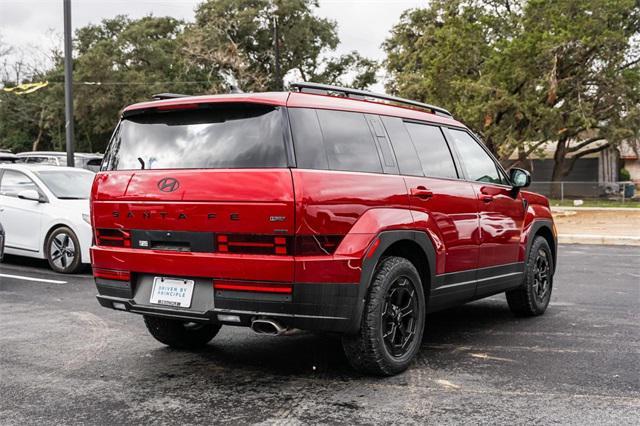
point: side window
(433, 150)
(348, 142)
(14, 182)
(307, 139)
(406, 154)
(477, 164)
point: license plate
(172, 292)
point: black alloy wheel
(399, 316)
(533, 296)
(541, 276)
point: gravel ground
(65, 360)
(599, 222)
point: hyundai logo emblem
(168, 184)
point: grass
(597, 203)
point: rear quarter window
(335, 140)
(211, 137)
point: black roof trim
(364, 94)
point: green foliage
(137, 58)
(121, 61)
(235, 38)
(524, 73)
(624, 175)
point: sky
(36, 25)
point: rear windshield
(214, 137)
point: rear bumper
(324, 288)
(312, 306)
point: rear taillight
(113, 237)
(303, 245)
(253, 244)
(252, 286)
(111, 274)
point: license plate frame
(172, 292)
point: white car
(45, 213)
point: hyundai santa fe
(325, 209)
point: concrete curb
(595, 209)
(620, 240)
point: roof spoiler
(162, 96)
(347, 92)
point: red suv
(325, 209)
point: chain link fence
(613, 191)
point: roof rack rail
(161, 96)
(364, 94)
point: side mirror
(520, 178)
(31, 195)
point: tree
(120, 61)
(526, 73)
(117, 62)
(133, 59)
(234, 39)
(25, 118)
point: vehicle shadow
(322, 354)
(30, 262)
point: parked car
(82, 160)
(45, 213)
(7, 156)
(354, 214)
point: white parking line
(42, 280)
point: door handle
(487, 193)
(421, 192)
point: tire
(180, 334)
(378, 348)
(533, 297)
(62, 251)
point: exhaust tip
(267, 326)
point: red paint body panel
(208, 265)
(345, 203)
(501, 221)
(538, 209)
(452, 219)
(329, 202)
(207, 198)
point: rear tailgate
(219, 223)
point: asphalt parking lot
(65, 360)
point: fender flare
(536, 225)
(369, 263)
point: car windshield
(68, 184)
